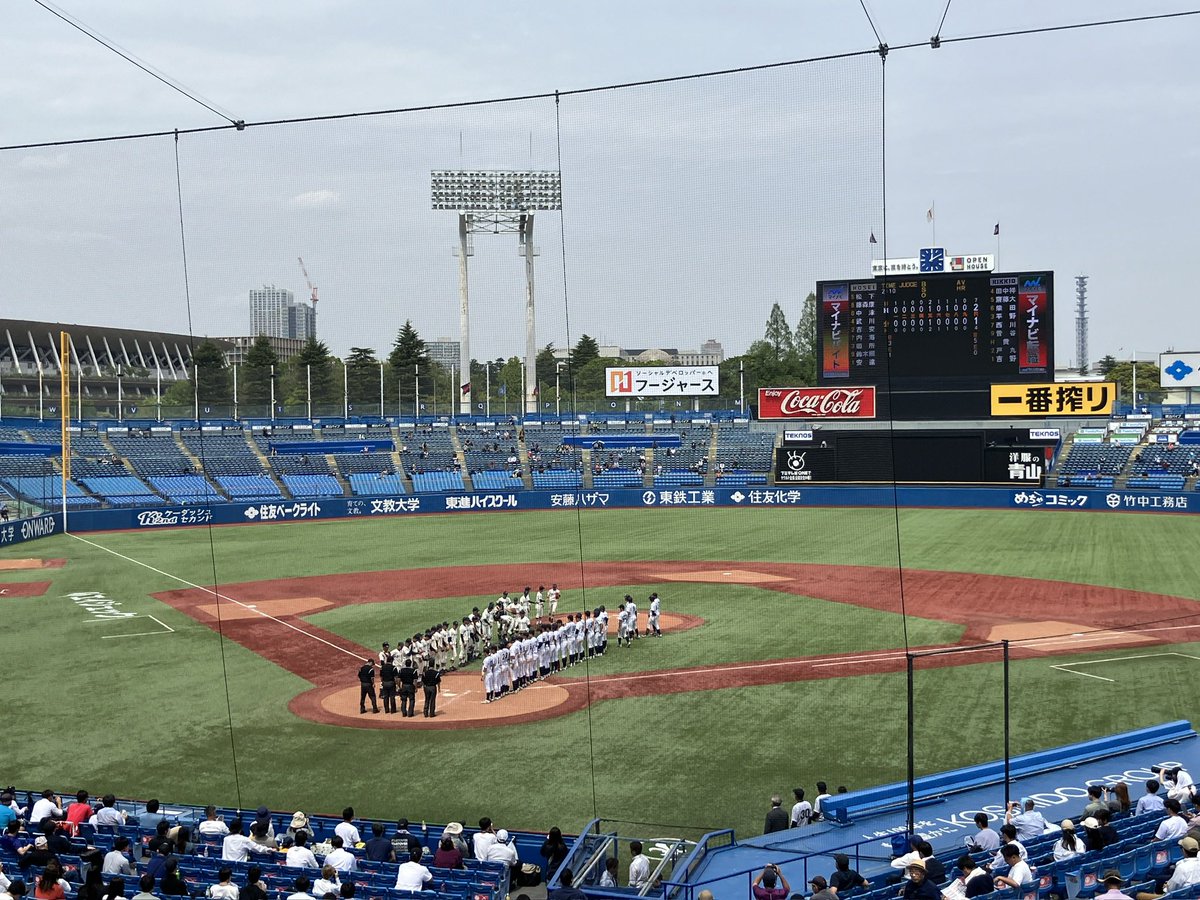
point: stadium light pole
(558, 366)
(487, 390)
(416, 393)
(120, 398)
(272, 392)
(495, 202)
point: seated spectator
(412, 876)
(339, 857)
(1008, 835)
(108, 814)
(116, 861)
(1095, 801)
(9, 811)
(151, 817)
(236, 847)
(12, 840)
(327, 883)
(1068, 846)
(78, 812)
(404, 842)
(299, 856)
(1019, 872)
(821, 889)
(260, 833)
(770, 884)
(15, 890)
(116, 889)
(262, 817)
(56, 839)
(1118, 798)
(345, 829)
(1113, 881)
(299, 823)
(454, 830)
(48, 806)
(224, 889)
(212, 826)
(845, 878)
(93, 885)
(50, 884)
(1028, 821)
(145, 889)
(1099, 833)
(379, 848)
(172, 884)
(483, 838)
(1149, 801)
(254, 888)
(160, 837)
(37, 855)
(554, 850)
(300, 889)
(918, 887)
(972, 880)
(447, 855)
(181, 840)
(1174, 826)
(1186, 873)
(158, 862)
(569, 892)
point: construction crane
(312, 290)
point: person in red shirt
(771, 884)
(78, 812)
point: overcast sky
(689, 208)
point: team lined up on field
(515, 649)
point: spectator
(11, 840)
(9, 811)
(171, 884)
(300, 889)
(554, 851)
(345, 829)
(14, 891)
(918, 887)
(845, 878)
(93, 885)
(37, 855)
(299, 856)
(934, 870)
(159, 838)
(483, 838)
(447, 855)
(260, 833)
(213, 825)
(1174, 826)
(236, 847)
(56, 839)
(145, 888)
(262, 817)
(327, 883)
(1113, 881)
(972, 880)
(1027, 820)
(454, 831)
(48, 806)
(181, 840)
(611, 870)
(412, 876)
(777, 819)
(224, 889)
(1187, 870)
(822, 794)
(914, 854)
(769, 884)
(77, 813)
(821, 889)
(568, 891)
(1118, 798)
(116, 862)
(50, 884)
(254, 888)
(299, 823)
(1068, 846)
(339, 857)
(404, 842)
(108, 814)
(985, 839)
(379, 848)
(158, 862)
(116, 889)
(151, 817)
(1095, 801)
(1149, 801)
(1099, 834)
(1008, 835)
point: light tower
(1081, 323)
(496, 202)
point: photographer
(770, 884)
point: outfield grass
(149, 715)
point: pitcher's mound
(1057, 636)
(281, 608)
(721, 576)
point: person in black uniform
(387, 685)
(431, 679)
(408, 687)
(366, 687)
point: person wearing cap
(366, 687)
(37, 854)
(1100, 833)
(821, 889)
(1028, 821)
(387, 683)
(845, 878)
(769, 884)
(1019, 872)
(454, 830)
(1174, 826)
(299, 823)
(1187, 870)
(501, 850)
(918, 886)
(1068, 845)
(1112, 881)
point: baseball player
(538, 602)
(603, 629)
(487, 672)
(554, 596)
(632, 610)
(655, 613)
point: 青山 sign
(661, 381)
(1076, 399)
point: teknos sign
(816, 403)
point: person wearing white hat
(1068, 846)
(501, 850)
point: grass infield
(118, 703)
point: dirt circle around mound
(460, 702)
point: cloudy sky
(689, 207)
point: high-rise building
(275, 313)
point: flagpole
(933, 220)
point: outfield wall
(498, 501)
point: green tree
(546, 365)
(408, 355)
(313, 360)
(1105, 366)
(586, 349)
(408, 349)
(254, 379)
(362, 380)
(213, 377)
(805, 341)
(779, 334)
(1148, 388)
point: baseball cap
(502, 836)
(917, 864)
(1067, 825)
(40, 841)
(1090, 822)
(819, 882)
(1189, 843)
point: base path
(267, 617)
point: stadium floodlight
(496, 202)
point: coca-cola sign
(816, 403)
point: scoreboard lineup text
(984, 326)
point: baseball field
(218, 665)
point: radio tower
(1081, 323)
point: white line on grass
(169, 629)
(218, 596)
(1084, 674)
(1067, 667)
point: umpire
(430, 680)
(407, 676)
(366, 687)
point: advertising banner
(835, 331)
(662, 381)
(1052, 399)
(1179, 370)
(816, 403)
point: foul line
(219, 596)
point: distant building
(275, 313)
(285, 348)
(711, 353)
(443, 352)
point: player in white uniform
(603, 630)
(631, 608)
(623, 622)
(554, 595)
(655, 613)
(488, 673)
(538, 605)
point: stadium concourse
(863, 826)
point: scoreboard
(964, 330)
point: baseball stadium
(912, 557)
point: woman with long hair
(116, 889)
(1068, 845)
(50, 882)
